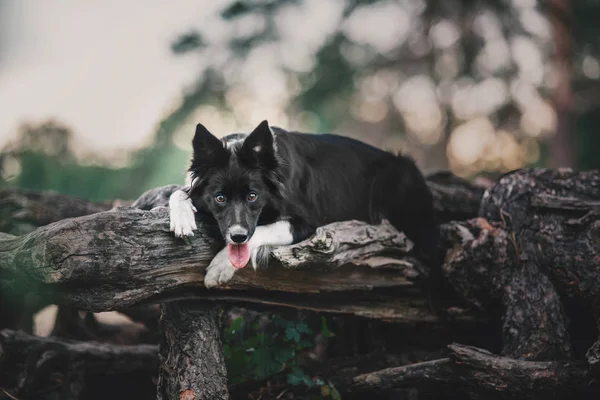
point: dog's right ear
(208, 150)
(258, 148)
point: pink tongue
(239, 254)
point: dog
(273, 187)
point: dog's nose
(239, 238)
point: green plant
(257, 348)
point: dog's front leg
(220, 269)
(181, 214)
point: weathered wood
(412, 375)
(126, 256)
(21, 211)
(192, 366)
(537, 250)
(34, 367)
(489, 376)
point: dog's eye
(252, 196)
(219, 198)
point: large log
(35, 368)
(454, 199)
(21, 211)
(126, 256)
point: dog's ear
(258, 146)
(208, 150)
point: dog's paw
(219, 271)
(182, 218)
(260, 257)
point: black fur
(311, 180)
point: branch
(484, 373)
(419, 374)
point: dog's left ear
(258, 146)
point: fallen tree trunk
(33, 367)
(125, 256)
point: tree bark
(124, 257)
(537, 251)
(193, 367)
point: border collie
(274, 187)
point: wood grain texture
(126, 256)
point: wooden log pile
(521, 265)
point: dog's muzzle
(237, 234)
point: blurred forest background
(99, 100)
(479, 87)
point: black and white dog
(274, 187)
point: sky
(103, 67)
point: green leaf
(325, 329)
(295, 377)
(292, 334)
(261, 360)
(303, 328)
(278, 321)
(284, 354)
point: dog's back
(330, 178)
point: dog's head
(234, 179)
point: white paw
(183, 221)
(219, 271)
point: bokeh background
(99, 99)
